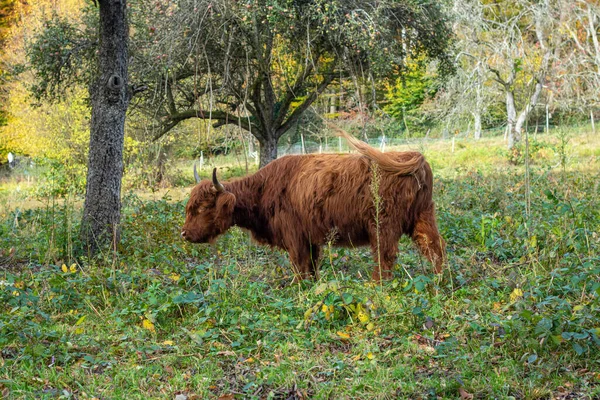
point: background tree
(248, 64)
(578, 84)
(7, 17)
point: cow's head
(209, 212)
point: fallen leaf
(429, 323)
(464, 395)
(4, 391)
(363, 317)
(516, 294)
(343, 335)
(168, 343)
(147, 324)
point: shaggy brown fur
(297, 202)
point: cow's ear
(225, 204)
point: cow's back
(320, 195)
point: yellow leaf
(80, 320)
(325, 308)
(174, 277)
(79, 330)
(516, 294)
(497, 306)
(576, 308)
(147, 324)
(168, 343)
(73, 268)
(19, 285)
(16, 293)
(250, 360)
(370, 356)
(370, 326)
(343, 335)
(363, 317)
(64, 268)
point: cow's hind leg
(429, 241)
(384, 254)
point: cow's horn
(196, 176)
(216, 182)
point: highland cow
(298, 202)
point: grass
(516, 314)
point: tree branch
(291, 94)
(221, 117)
(327, 79)
(498, 76)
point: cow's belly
(343, 234)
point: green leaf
(544, 326)
(578, 349)
(347, 298)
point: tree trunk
(530, 106)
(477, 117)
(478, 102)
(110, 98)
(268, 150)
(511, 113)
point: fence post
(547, 120)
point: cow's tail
(385, 162)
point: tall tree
(65, 53)
(110, 96)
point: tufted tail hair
(385, 162)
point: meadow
(516, 314)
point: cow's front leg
(303, 257)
